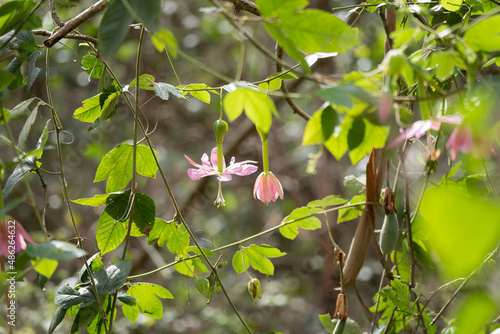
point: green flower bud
(255, 289)
(220, 128)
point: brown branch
(245, 5)
(75, 22)
(57, 20)
(70, 36)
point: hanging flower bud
(220, 128)
(341, 310)
(255, 289)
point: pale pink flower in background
(267, 188)
(208, 168)
(419, 128)
(19, 239)
(463, 139)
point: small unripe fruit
(389, 234)
(220, 128)
(255, 289)
(339, 327)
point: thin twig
(255, 236)
(75, 22)
(58, 129)
(46, 202)
(296, 109)
(69, 36)
(57, 20)
(467, 279)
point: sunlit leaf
(461, 227)
(258, 107)
(147, 296)
(175, 236)
(302, 217)
(484, 35)
(320, 127)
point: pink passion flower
(420, 128)
(208, 168)
(464, 139)
(267, 188)
(14, 235)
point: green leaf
(348, 214)
(93, 66)
(320, 127)
(343, 95)
(351, 326)
(95, 264)
(147, 296)
(165, 40)
(240, 264)
(477, 310)
(202, 95)
(45, 267)
(287, 44)
(116, 166)
(149, 11)
(258, 107)
(356, 133)
(270, 85)
(42, 141)
(451, 5)
(146, 163)
(113, 222)
(17, 175)
(54, 250)
(301, 217)
(33, 71)
(256, 256)
(66, 296)
(174, 235)
(185, 267)
(97, 200)
(12, 14)
(21, 110)
(144, 211)
(126, 299)
(113, 28)
(274, 8)
(144, 82)
(326, 202)
(5, 79)
(90, 111)
(24, 45)
(374, 137)
(332, 35)
(296, 29)
(163, 90)
(84, 317)
(111, 226)
(131, 312)
(111, 279)
(57, 318)
(203, 286)
(23, 135)
(4, 116)
(484, 35)
(326, 321)
(459, 227)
